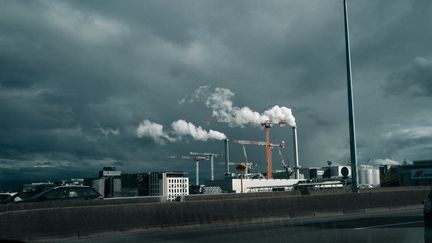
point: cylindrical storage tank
(365, 175)
(361, 175)
(369, 174)
(376, 177)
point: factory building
(108, 183)
(239, 185)
(416, 174)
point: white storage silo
(368, 175)
(376, 177)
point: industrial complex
(240, 177)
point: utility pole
(353, 151)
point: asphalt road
(390, 226)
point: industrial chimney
(296, 161)
(226, 141)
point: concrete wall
(68, 219)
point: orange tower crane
(267, 145)
(267, 125)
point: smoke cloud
(183, 128)
(386, 162)
(220, 101)
(180, 128)
(154, 131)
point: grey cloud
(414, 80)
(77, 77)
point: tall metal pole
(353, 151)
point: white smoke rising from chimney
(220, 101)
(154, 131)
(183, 128)
(386, 162)
(281, 113)
(180, 128)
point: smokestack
(197, 172)
(226, 141)
(267, 126)
(296, 162)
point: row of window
(177, 180)
(177, 185)
(177, 190)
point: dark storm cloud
(414, 80)
(78, 77)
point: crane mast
(211, 156)
(267, 125)
(196, 158)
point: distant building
(72, 182)
(108, 183)
(325, 173)
(168, 184)
(416, 174)
(109, 171)
(96, 183)
(112, 183)
(238, 185)
(37, 186)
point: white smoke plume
(220, 101)
(183, 128)
(179, 129)
(198, 94)
(281, 113)
(154, 131)
(386, 162)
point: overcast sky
(78, 77)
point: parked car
(20, 197)
(66, 193)
(5, 195)
(427, 210)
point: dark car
(66, 193)
(6, 195)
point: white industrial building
(238, 185)
(168, 184)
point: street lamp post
(353, 151)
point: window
(56, 194)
